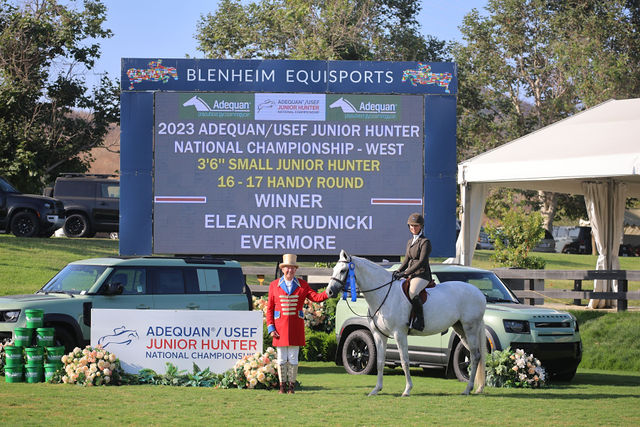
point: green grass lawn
(28, 263)
(329, 396)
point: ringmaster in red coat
(285, 319)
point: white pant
(416, 286)
(287, 354)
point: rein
(349, 285)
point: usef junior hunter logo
(372, 107)
(216, 105)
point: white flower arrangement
(509, 368)
(90, 367)
(255, 371)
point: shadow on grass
(584, 316)
(565, 396)
(321, 370)
(388, 371)
(611, 379)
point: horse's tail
(481, 371)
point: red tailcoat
(284, 311)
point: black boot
(418, 321)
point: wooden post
(528, 286)
(577, 286)
(623, 285)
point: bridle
(349, 282)
(349, 285)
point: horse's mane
(369, 263)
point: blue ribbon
(350, 284)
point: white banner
(149, 339)
(289, 106)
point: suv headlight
(9, 315)
(516, 326)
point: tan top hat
(288, 260)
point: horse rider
(415, 267)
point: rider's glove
(397, 275)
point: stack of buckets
(33, 357)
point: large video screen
(272, 173)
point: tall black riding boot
(418, 321)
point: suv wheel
(77, 225)
(359, 353)
(64, 338)
(25, 224)
(460, 361)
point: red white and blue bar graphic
(180, 199)
(396, 202)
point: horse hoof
(465, 393)
(405, 395)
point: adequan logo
(120, 336)
(216, 105)
(364, 107)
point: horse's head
(339, 275)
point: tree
(328, 30)
(507, 60)
(48, 122)
(530, 63)
(514, 239)
(598, 45)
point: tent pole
(465, 190)
(609, 260)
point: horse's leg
(481, 373)
(464, 333)
(473, 344)
(381, 348)
(403, 346)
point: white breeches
(416, 285)
(287, 354)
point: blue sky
(162, 29)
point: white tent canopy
(595, 153)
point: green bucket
(23, 337)
(44, 336)
(13, 374)
(34, 355)
(35, 318)
(13, 355)
(50, 369)
(54, 354)
(33, 373)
